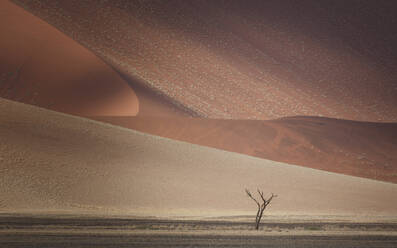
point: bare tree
(261, 207)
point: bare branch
(261, 207)
(250, 195)
(261, 194)
(267, 202)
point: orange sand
(41, 66)
(354, 148)
(246, 59)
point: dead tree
(261, 207)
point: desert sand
(246, 59)
(361, 149)
(83, 231)
(153, 117)
(41, 66)
(57, 162)
(64, 76)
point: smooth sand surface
(246, 59)
(348, 147)
(152, 104)
(40, 65)
(51, 161)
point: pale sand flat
(55, 162)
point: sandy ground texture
(348, 147)
(73, 231)
(55, 162)
(123, 240)
(246, 59)
(41, 66)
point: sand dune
(152, 104)
(41, 66)
(348, 147)
(52, 161)
(213, 59)
(246, 59)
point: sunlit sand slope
(355, 148)
(51, 161)
(41, 66)
(246, 59)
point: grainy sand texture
(146, 123)
(246, 59)
(56, 162)
(361, 149)
(140, 122)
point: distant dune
(56, 162)
(355, 148)
(41, 66)
(246, 59)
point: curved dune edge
(56, 162)
(41, 66)
(254, 60)
(354, 148)
(152, 104)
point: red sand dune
(361, 149)
(64, 76)
(246, 59)
(41, 66)
(153, 104)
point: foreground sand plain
(56, 162)
(58, 231)
(61, 231)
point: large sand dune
(41, 66)
(246, 59)
(51, 161)
(355, 148)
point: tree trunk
(257, 225)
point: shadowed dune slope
(355, 148)
(246, 59)
(52, 161)
(152, 104)
(41, 66)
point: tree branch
(261, 194)
(250, 195)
